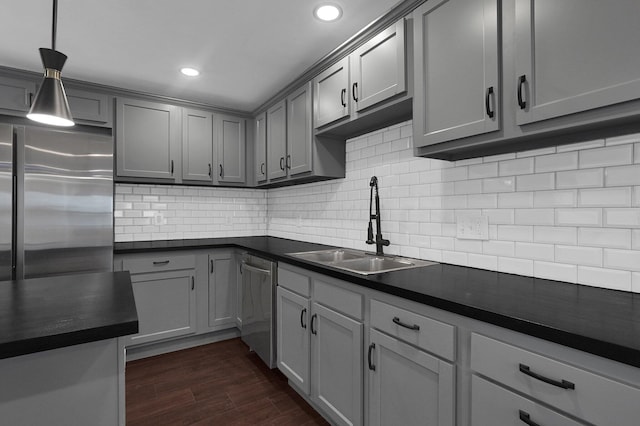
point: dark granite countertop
(595, 320)
(39, 314)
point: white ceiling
(247, 50)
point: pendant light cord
(55, 24)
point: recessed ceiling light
(327, 12)
(191, 72)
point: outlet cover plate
(472, 227)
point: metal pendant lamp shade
(50, 105)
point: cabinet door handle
(354, 91)
(288, 161)
(313, 320)
(29, 99)
(303, 312)
(369, 357)
(487, 102)
(526, 418)
(281, 163)
(221, 171)
(209, 169)
(161, 262)
(171, 166)
(561, 384)
(193, 283)
(262, 168)
(521, 81)
(414, 327)
(211, 261)
(343, 93)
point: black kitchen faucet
(379, 241)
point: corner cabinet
(277, 140)
(197, 145)
(232, 143)
(148, 139)
(456, 91)
(260, 164)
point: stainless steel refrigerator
(56, 200)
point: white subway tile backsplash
(609, 156)
(547, 217)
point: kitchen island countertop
(40, 314)
(595, 320)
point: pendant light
(50, 105)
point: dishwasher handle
(252, 268)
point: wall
(569, 213)
(164, 212)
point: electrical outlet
(158, 219)
(472, 227)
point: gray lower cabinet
(148, 139)
(408, 386)
(277, 140)
(293, 314)
(16, 95)
(456, 92)
(164, 291)
(222, 290)
(231, 148)
(573, 56)
(260, 163)
(197, 145)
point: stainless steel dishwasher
(258, 306)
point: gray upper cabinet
(331, 100)
(573, 56)
(147, 139)
(261, 148)
(378, 68)
(456, 89)
(16, 95)
(90, 108)
(197, 145)
(299, 131)
(277, 140)
(231, 148)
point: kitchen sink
(360, 262)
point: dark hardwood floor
(217, 384)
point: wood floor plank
(217, 384)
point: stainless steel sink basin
(360, 262)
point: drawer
(426, 333)
(493, 405)
(583, 394)
(294, 281)
(339, 299)
(159, 263)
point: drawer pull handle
(561, 384)
(313, 319)
(414, 327)
(526, 418)
(369, 359)
(303, 324)
(161, 262)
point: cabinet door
(407, 386)
(336, 365)
(299, 131)
(166, 305)
(575, 55)
(147, 139)
(231, 148)
(261, 148)
(277, 140)
(378, 68)
(330, 97)
(197, 145)
(456, 70)
(16, 95)
(222, 290)
(293, 337)
(89, 107)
